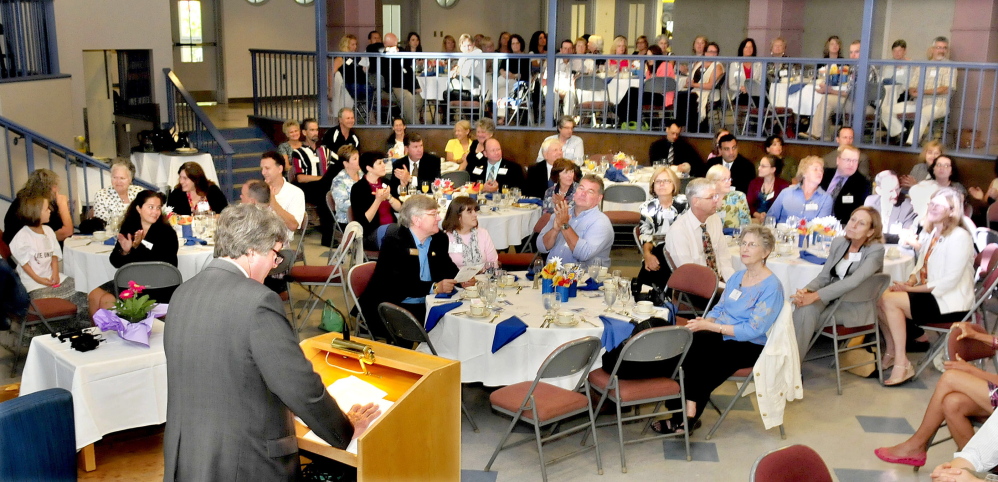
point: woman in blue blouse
(806, 200)
(733, 333)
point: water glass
(490, 294)
(552, 302)
(609, 296)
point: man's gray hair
(697, 186)
(339, 113)
(414, 206)
(259, 191)
(247, 227)
(882, 175)
(595, 180)
(548, 142)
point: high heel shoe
(907, 374)
(887, 361)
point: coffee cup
(603, 271)
(566, 317)
(477, 308)
(893, 252)
(509, 280)
(471, 292)
(644, 307)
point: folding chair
(691, 279)
(41, 312)
(357, 280)
(637, 239)
(459, 178)
(160, 278)
(331, 205)
(983, 237)
(540, 403)
(403, 326)
(993, 215)
(623, 194)
(867, 293)
(529, 245)
(650, 345)
(796, 463)
(594, 104)
(300, 241)
(653, 101)
(331, 274)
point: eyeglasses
(659, 182)
(744, 244)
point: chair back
(993, 213)
(796, 463)
(590, 83)
(330, 202)
(968, 349)
(660, 85)
(39, 441)
(694, 279)
(869, 290)
(516, 261)
(358, 278)
(570, 358)
(299, 240)
(4, 248)
(984, 236)
(989, 263)
(657, 344)
(357, 250)
(637, 237)
(160, 277)
(625, 193)
(459, 178)
(402, 325)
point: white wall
(691, 18)
(277, 24)
(824, 19)
(917, 22)
(487, 17)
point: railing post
(862, 73)
(554, 44)
(256, 90)
(29, 151)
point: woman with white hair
(895, 209)
(112, 201)
(734, 210)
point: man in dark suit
(496, 172)
(398, 76)
(237, 375)
(742, 169)
(676, 151)
(539, 175)
(845, 184)
(844, 136)
(416, 168)
(413, 263)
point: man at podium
(235, 370)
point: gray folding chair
(867, 293)
(159, 276)
(625, 193)
(540, 403)
(459, 178)
(651, 345)
(403, 326)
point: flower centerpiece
(132, 314)
(445, 186)
(548, 274)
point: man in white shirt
(938, 86)
(686, 242)
(571, 144)
(287, 200)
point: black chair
(160, 279)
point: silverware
(457, 313)
(494, 318)
(587, 321)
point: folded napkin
(794, 88)
(111, 241)
(728, 231)
(508, 331)
(447, 295)
(530, 200)
(590, 285)
(811, 258)
(438, 312)
(615, 175)
(615, 332)
(191, 241)
(530, 275)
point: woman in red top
(763, 190)
(371, 201)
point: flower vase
(802, 241)
(563, 293)
(573, 290)
(547, 285)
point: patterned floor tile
(885, 425)
(701, 451)
(478, 476)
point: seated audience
(704, 81)
(896, 74)
(745, 79)
(941, 287)
(193, 189)
(833, 49)
(896, 213)
(806, 199)
(846, 186)
(41, 183)
(676, 151)
(511, 71)
(344, 181)
(641, 45)
(939, 85)
(696, 236)
(564, 83)
(457, 148)
(503, 47)
(416, 168)
(470, 71)
(494, 171)
(657, 215)
(144, 236)
(715, 150)
(619, 48)
(400, 77)
(733, 207)
(844, 136)
(352, 69)
(832, 99)
(413, 264)
(571, 144)
(337, 137)
(371, 200)
(395, 143)
(732, 334)
(922, 171)
(485, 129)
(113, 201)
(469, 246)
(764, 190)
(774, 148)
(964, 393)
(255, 191)
(943, 173)
(288, 202)
(581, 233)
(292, 131)
(565, 177)
(313, 169)
(539, 177)
(852, 259)
(742, 169)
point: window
(189, 16)
(391, 18)
(304, 2)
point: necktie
(923, 274)
(415, 171)
(708, 250)
(670, 157)
(492, 172)
(836, 186)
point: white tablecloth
(618, 87)
(802, 102)
(795, 273)
(433, 87)
(160, 169)
(509, 226)
(119, 386)
(469, 340)
(90, 266)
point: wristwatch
(565, 226)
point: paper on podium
(467, 272)
(352, 391)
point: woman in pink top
(469, 245)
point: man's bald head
(391, 40)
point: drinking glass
(615, 274)
(490, 294)
(538, 266)
(624, 291)
(552, 302)
(490, 269)
(425, 187)
(609, 296)
(770, 222)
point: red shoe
(912, 461)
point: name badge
(854, 257)
(479, 155)
(413, 252)
(895, 228)
(847, 199)
(503, 171)
(735, 294)
(811, 207)
(477, 171)
(147, 244)
(349, 61)
(455, 248)
(770, 196)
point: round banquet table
(90, 266)
(160, 169)
(795, 273)
(508, 226)
(469, 340)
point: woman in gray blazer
(894, 207)
(852, 259)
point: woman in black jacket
(371, 200)
(192, 188)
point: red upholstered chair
(868, 292)
(691, 279)
(357, 280)
(796, 463)
(540, 404)
(516, 261)
(649, 345)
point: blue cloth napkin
(530, 200)
(591, 285)
(728, 231)
(447, 295)
(615, 175)
(438, 312)
(530, 275)
(191, 241)
(795, 88)
(508, 331)
(111, 241)
(811, 258)
(615, 332)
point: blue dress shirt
(791, 202)
(595, 238)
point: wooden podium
(419, 437)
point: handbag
(332, 318)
